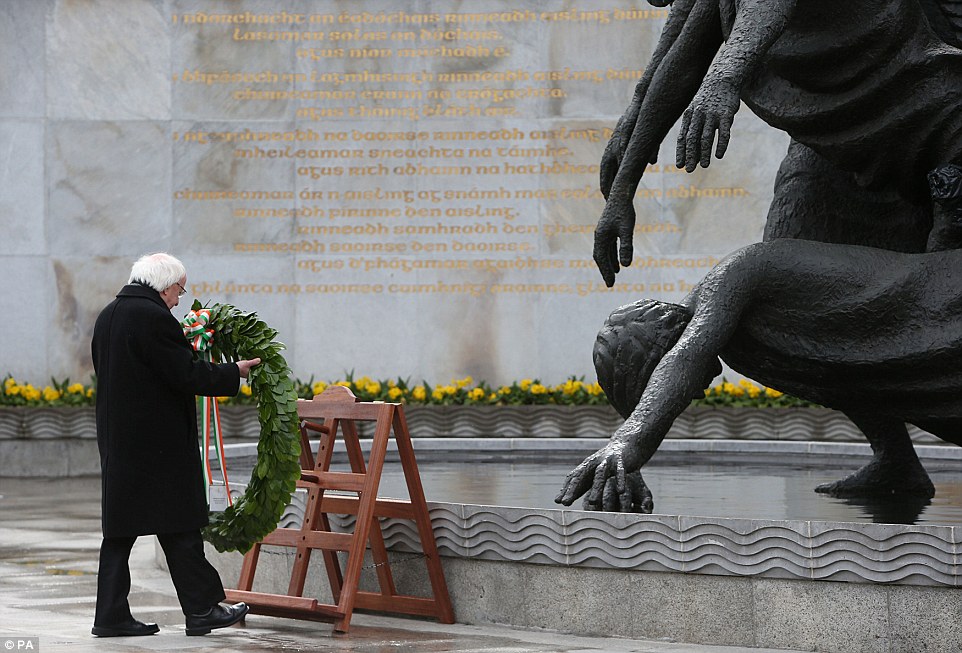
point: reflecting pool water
(718, 490)
(743, 489)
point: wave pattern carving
(842, 552)
(47, 424)
(696, 423)
(798, 424)
(747, 547)
(512, 421)
(851, 552)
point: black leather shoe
(132, 628)
(216, 617)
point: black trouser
(197, 583)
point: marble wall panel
(142, 105)
(569, 320)
(427, 329)
(203, 47)
(22, 30)
(366, 332)
(243, 282)
(77, 289)
(517, 46)
(216, 187)
(396, 82)
(565, 341)
(23, 348)
(723, 207)
(490, 336)
(602, 83)
(573, 201)
(21, 188)
(108, 187)
(108, 60)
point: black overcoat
(147, 380)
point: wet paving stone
(49, 544)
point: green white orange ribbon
(200, 338)
(195, 328)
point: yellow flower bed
(56, 393)
(464, 391)
(745, 393)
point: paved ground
(49, 537)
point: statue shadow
(890, 509)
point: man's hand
(245, 366)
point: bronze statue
(868, 90)
(874, 333)
(870, 93)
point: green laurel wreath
(243, 336)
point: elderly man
(152, 482)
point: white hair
(160, 271)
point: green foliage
(242, 336)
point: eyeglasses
(183, 291)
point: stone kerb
(737, 582)
(853, 552)
(48, 442)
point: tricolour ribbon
(200, 338)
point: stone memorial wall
(400, 188)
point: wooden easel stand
(337, 411)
